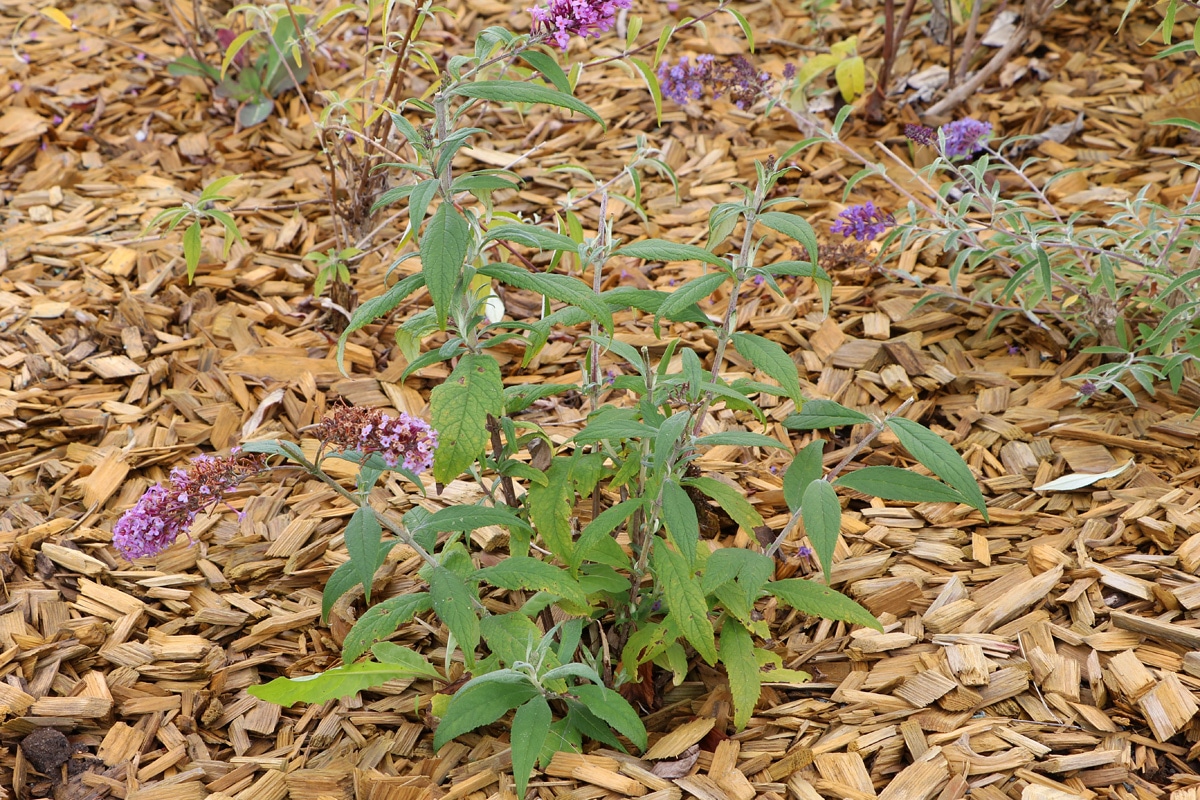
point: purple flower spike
(684, 81)
(863, 222)
(566, 18)
(921, 134)
(402, 440)
(165, 512)
(965, 137)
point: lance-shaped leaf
(893, 483)
(459, 411)
(771, 358)
(822, 601)
(443, 251)
(940, 458)
(516, 92)
(822, 514)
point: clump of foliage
(638, 586)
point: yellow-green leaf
(851, 77)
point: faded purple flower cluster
(403, 440)
(567, 18)
(684, 81)
(166, 511)
(863, 221)
(921, 134)
(964, 137)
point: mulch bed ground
(1052, 653)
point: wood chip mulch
(1054, 653)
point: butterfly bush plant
(600, 605)
(1124, 286)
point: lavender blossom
(965, 137)
(166, 511)
(402, 440)
(863, 222)
(567, 18)
(684, 81)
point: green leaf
(524, 572)
(332, 683)
(1045, 271)
(213, 190)
(662, 250)
(514, 92)
(418, 202)
(407, 129)
(936, 454)
(377, 307)
(530, 727)
(819, 414)
(581, 718)
(1182, 122)
(482, 701)
(792, 225)
(558, 287)
(685, 600)
(741, 665)
(235, 47)
(563, 737)
(549, 68)
(740, 439)
(771, 358)
(893, 483)
(742, 22)
(550, 510)
(392, 655)
(469, 518)
(805, 468)
(615, 710)
(649, 300)
(459, 411)
(613, 427)
(822, 514)
(822, 601)
(689, 293)
(512, 637)
(652, 85)
(574, 669)
(600, 527)
(443, 251)
(482, 183)
(341, 581)
(454, 603)
(530, 236)
(381, 621)
(364, 537)
(751, 569)
(520, 397)
(733, 502)
(192, 248)
(679, 515)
